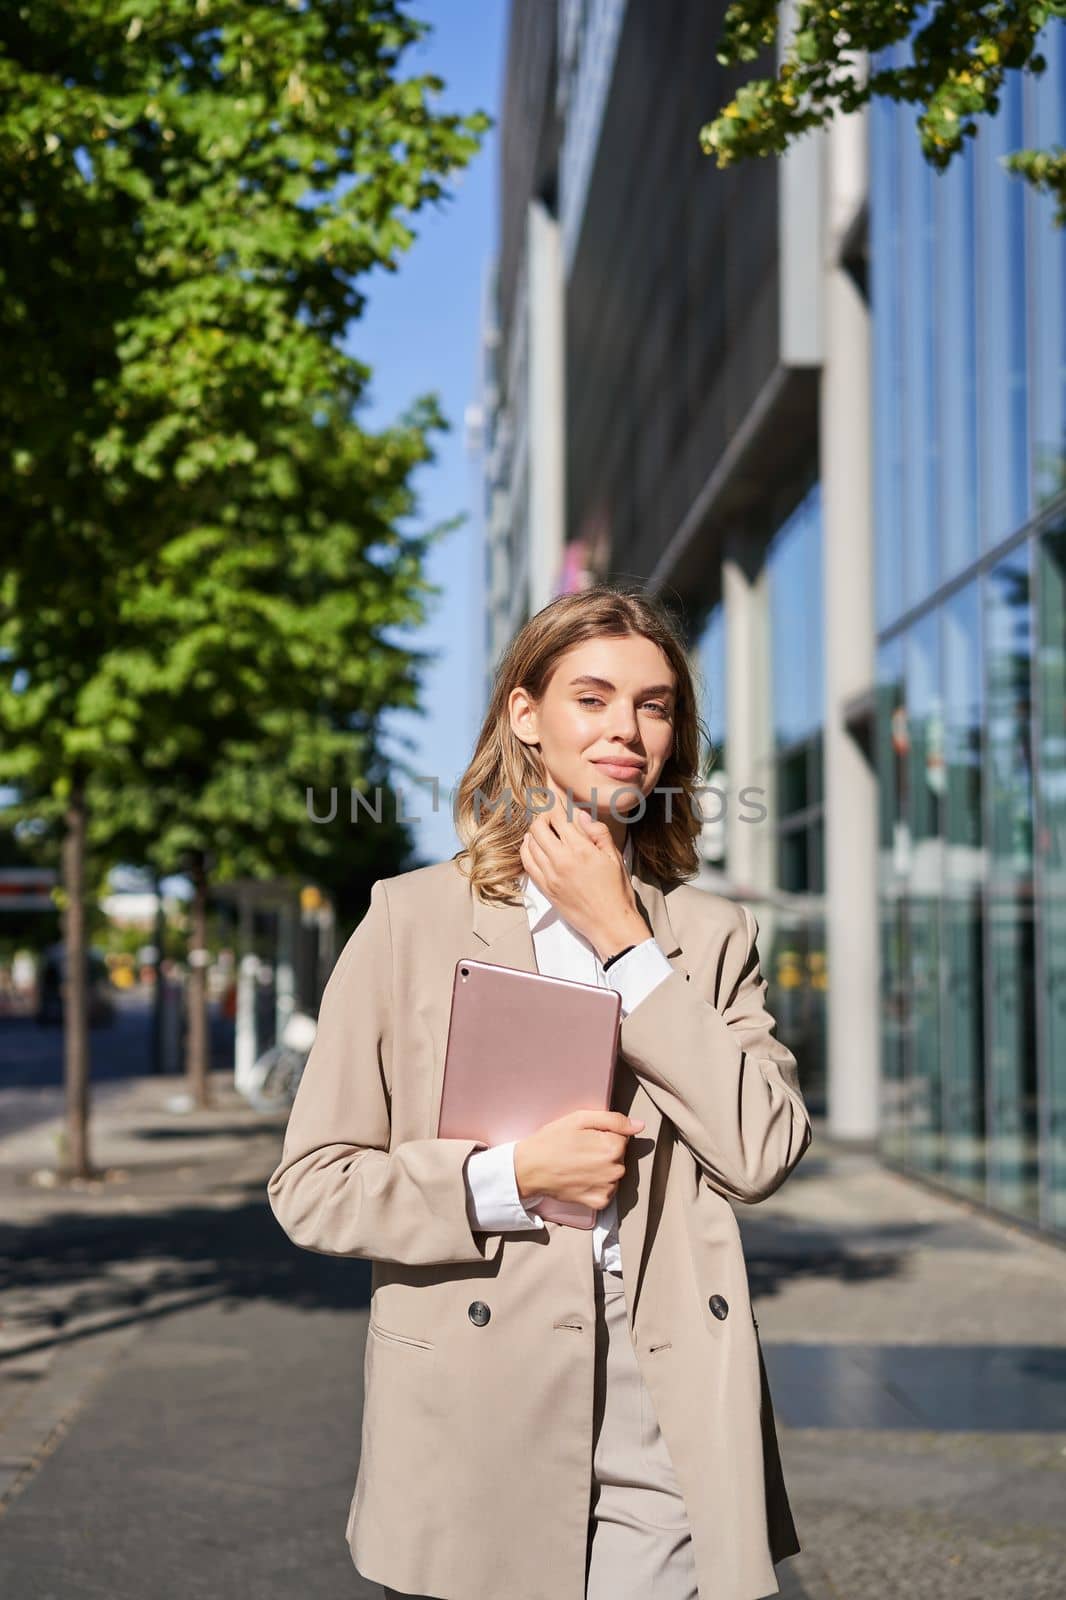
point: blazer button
(719, 1305)
(479, 1313)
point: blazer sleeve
(340, 1187)
(729, 1086)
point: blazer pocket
(399, 1338)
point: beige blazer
(474, 1473)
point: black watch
(611, 959)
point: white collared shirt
(562, 952)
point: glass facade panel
(962, 984)
(794, 563)
(921, 565)
(1012, 1071)
(710, 667)
(924, 795)
(793, 865)
(1045, 125)
(795, 961)
(1050, 862)
(794, 964)
(970, 728)
(1000, 253)
(955, 354)
(891, 745)
(794, 560)
(886, 280)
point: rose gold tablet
(523, 1049)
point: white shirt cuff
(493, 1190)
(637, 973)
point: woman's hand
(579, 1158)
(577, 865)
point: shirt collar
(540, 908)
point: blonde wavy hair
(504, 766)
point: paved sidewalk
(180, 1386)
(916, 1356)
(85, 1267)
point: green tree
(960, 56)
(254, 668)
(189, 198)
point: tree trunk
(196, 1060)
(75, 990)
(159, 998)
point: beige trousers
(640, 1544)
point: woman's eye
(591, 700)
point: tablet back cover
(524, 1049)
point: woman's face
(605, 722)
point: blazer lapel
(504, 932)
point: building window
(794, 565)
(969, 448)
(1011, 947)
(710, 668)
(794, 960)
(1049, 859)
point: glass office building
(819, 403)
(968, 302)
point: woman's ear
(523, 716)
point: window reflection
(1050, 856)
(795, 969)
(955, 354)
(710, 666)
(1003, 467)
(892, 743)
(968, 294)
(795, 962)
(1046, 118)
(886, 286)
(924, 790)
(1011, 975)
(963, 923)
(920, 378)
(794, 564)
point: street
(31, 1057)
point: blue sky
(420, 333)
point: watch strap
(618, 956)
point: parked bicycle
(275, 1075)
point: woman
(553, 1413)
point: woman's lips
(619, 769)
